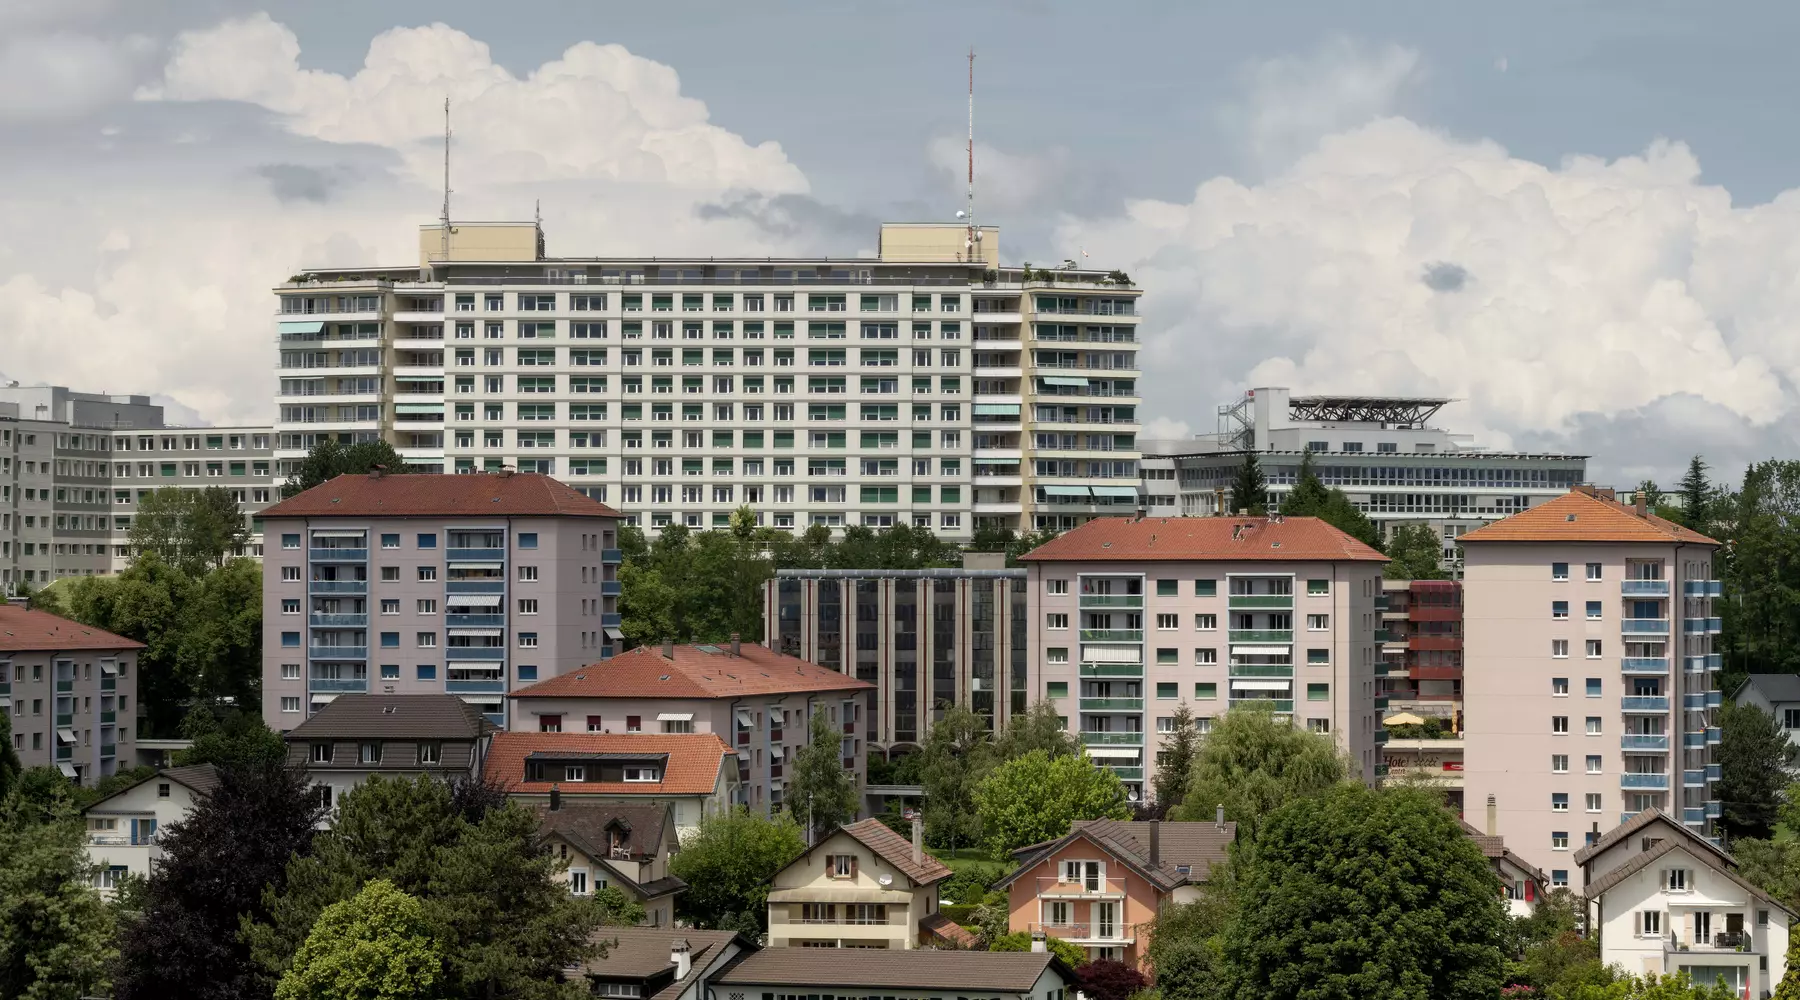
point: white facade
(122, 830)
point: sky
(1581, 221)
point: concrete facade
(72, 692)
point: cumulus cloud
(1293, 101)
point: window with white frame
(1318, 623)
(1649, 923)
(1559, 648)
(1056, 587)
(1056, 620)
(1559, 763)
(1206, 623)
(1168, 623)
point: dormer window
(371, 753)
(642, 774)
(321, 753)
(429, 753)
(574, 772)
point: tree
(194, 530)
(329, 459)
(11, 767)
(1366, 894)
(1252, 764)
(1696, 497)
(157, 526)
(1175, 764)
(1753, 758)
(1760, 568)
(1184, 940)
(1038, 797)
(233, 737)
(219, 656)
(957, 752)
(822, 793)
(1109, 979)
(1414, 553)
(1249, 490)
(1039, 728)
(56, 936)
(375, 945)
(1311, 498)
(1072, 955)
(1789, 987)
(216, 865)
(728, 864)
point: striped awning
(472, 564)
(996, 409)
(1114, 751)
(675, 717)
(1259, 684)
(1237, 650)
(418, 407)
(329, 533)
(65, 736)
(475, 631)
(323, 699)
(1063, 380)
(302, 325)
(109, 668)
(1115, 491)
(472, 601)
(68, 770)
(1065, 491)
(996, 461)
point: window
(370, 753)
(1559, 763)
(1593, 687)
(290, 541)
(1205, 654)
(427, 672)
(1318, 588)
(1790, 718)
(1318, 725)
(528, 540)
(290, 606)
(390, 574)
(642, 774)
(427, 540)
(290, 574)
(290, 638)
(1168, 656)
(1593, 610)
(1559, 571)
(290, 671)
(1318, 692)
(1056, 689)
(390, 671)
(1559, 648)
(1649, 923)
(290, 704)
(1167, 588)
(1559, 840)
(1559, 878)
(1677, 880)
(1593, 763)
(390, 640)
(1593, 649)
(1168, 689)
(1593, 802)
(1056, 587)
(1206, 588)
(1206, 690)
(528, 673)
(528, 640)
(321, 753)
(1559, 802)
(1318, 623)
(1593, 571)
(1165, 623)
(528, 573)
(1559, 687)
(1052, 621)
(1559, 724)
(1318, 657)
(1206, 623)
(1559, 609)
(427, 573)
(427, 606)
(427, 640)
(528, 606)
(390, 541)
(840, 866)
(390, 606)
(551, 724)
(1593, 725)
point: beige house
(863, 886)
(626, 846)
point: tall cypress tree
(1249, 490)
(1696, 496)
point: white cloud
(53, 64)
(1166, 429)
(1291, 102)
(1004, 181)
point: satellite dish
(961, 214)
(885, 879)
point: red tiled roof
(1579, 516)
(695, 672)
(486, 494)
(897, 851)
(24, 629)
(1187, 539)
(693, 763)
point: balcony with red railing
(1434, 642)
(1434, 673)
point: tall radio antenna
(972, 239)
(445, 220)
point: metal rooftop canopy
(1365, 409)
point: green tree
(646, 605)
(329, 459)
(1753, 759)
(147, 602)
(193, 530)
(159, 525)
(728, 864)
(1252, 764)
(1414, 554)
(227, 738)
(56, 936)
(1185, 940)
(1789, 987)
(1038, 797)
(219, 654)
(1760, 566)
(822, 792)
(1175, 764)
(1311, 498)
(1072, 955)
(1249, 490)
(11, 767)
(1039, 728)
(375, 945)
(957, 752)
(1696, 497)
(1358, 893)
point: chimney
(918, 839)
(1642, 503)
(734, 644)
(668, 648)
(681, 959)
(1037, 942)
(1219, 816)
(1493, 818)
(555, 797)
(377, 471)
(1155, 844)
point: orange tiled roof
(695, 672)
(24, 629)
(1579, 516)
(692, 768)
(1188, 539)
(486, 494)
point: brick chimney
(1641, 503)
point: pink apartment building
(1131, 617)
(758, 701)
(1589, 674)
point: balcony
(1261, 670)
(1701, 626)
(1644, 626)
(107, 718)
(1637, 704)
(1641, 742)
(1644, 781)
(1112, 670)
(1714, 772)
(475, 687)
(1713, 809)
(1279, 636)
(1112, 739)
(338, 685)
(65, 719)
(475, 555)
(1388, 635)
(474, 621)
(324, 619)
(1644, 588)
(611, 588)
(612, 557)
(1645, 666)
(1693, 779)
(612, 619)
(474, 586)
(1713, 736)
(1126, 772)
(337, 652)
(338, 587)
(1276, 705)
(1102, 935)
(1693, 817)
(1090, 887)
(1702, 589)
(338, 555)
(1112, 635)
(1381, 701)
(1260, 602)
(1740, 942)
(489, 653)
(1693, 741)
(1112, 600)
(1434, 643)
(1112, 704)
(1381, 737)
(109, 750)
(64, 687)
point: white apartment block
(915, 388)
(1382, 451)
(1131, 617)
(73, 466)
(1588, 674)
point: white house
(122, 829)
(1778, 695)
(1666, 900)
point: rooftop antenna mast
(972, 239)
(444, 252)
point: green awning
(302, 326)
(996, 409)
(1115, 491)
(1065, 491)
(418, 407)
(1063, 380)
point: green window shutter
(1206, 690)
(921, 439)
(1167, 689)
(753, 439)
(784, 439)
(1318, 692)
(1168, 656)
(1206, 588)
(950, 494)
(1318, 656)
(1168, 588)
(722, 439)
(921, 494)
(1056, 689)
(1318, 587)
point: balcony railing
(338, 685)
(612, 556)
(1112, 600)
(1262, 635)
(1644, 626)
(323, 619)
(1693, 779)
(1261, 670)
(1112, 635)
(1693, 817)
(1701, 626)
(1644, 704)
(611, 588)
(475, 652)
(1090, 886)
(338, 587)
(1644, 588)
(1112, 704)
(1276, 705)
(474, 621)
(1112, 739)
(1115, 931)
(1260, 602)
(474, 687)
(1702, 588)
(1713, 736)
(337, 652)
(1643, 781)
(1701, 664)
(339, 555)
(474, 586)
(1641, 741)
(1644, 665)
(1714, 772)
(475, 555)
(1112, 670)
(1126, 772)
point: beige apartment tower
(1589, 674)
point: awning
(472, 601)
(68, 770)
(470, 564)
(322, 699)
(109, 669)
(5, 701)
(302, 326)
(328, 533)
(1063, 380)
(675, 717)
(418, 407)
(996, 461)
(1065, 491)
(474, 631)
(1115, 491)
(1259, 684)
(1237, 650)
(65, 735)
(996, 409)
(745, 719)
(1114, 751)
(615, 635)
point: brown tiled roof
(642, 952)
(698, 671)
(484, 495)
(1644, 860)
(896, 969)
(199, 778)
(1579, 516)
(585, 826)
(24, 630)
(1495, 847)
(692, 768)
(947, 930)
(896, 850)
(1196, 845)
(393, 717)
(1191, 539)
(1639, 822)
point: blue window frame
(1593, 687)
(528, 673)
(290, 638)
(428, 671)
(427, 540)
(390, 640)
(527, 539)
